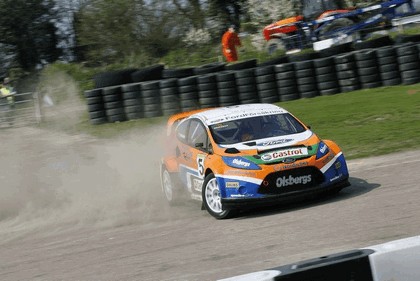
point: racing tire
(391, 82)
(284, 67)
(93, 93)
(351, 88)
(242, 65)
(98, 121)
(334, 26)
(209, 68)
(212, 198)
(289, 97)
(274, 45)
(169, 187)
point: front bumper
(239, 203)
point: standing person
(230, 40)
(6, 90)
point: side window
(181, 131)
(197, 134)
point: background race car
(235, 157)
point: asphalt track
(76, 208)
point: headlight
(322, 150)
(240, 163)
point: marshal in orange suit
(230, 40)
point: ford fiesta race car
(240, 156)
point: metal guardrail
(400, 22)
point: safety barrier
(219, 85)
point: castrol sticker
(279, 154)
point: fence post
(38, 107)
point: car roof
(229, 113)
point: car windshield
(254, 128)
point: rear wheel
(337, 27)
(169, 187)
(212, 198)
(274, 45)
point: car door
(192, 153)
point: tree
(116, 30)
(267, 11)
(28, 30)
(226, 12)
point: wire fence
(22, 109)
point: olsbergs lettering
(287, 181)
(239, 162)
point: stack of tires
(367, 67)
(409, 63)
(188, 93)
(388, 66)
(265, 78)
(326, 76)
(286, 81)
(306, 79)
(346, 70)
(207, 91)
(95, 106)
(132, 101)
(226, 88)
(169, 96)
(113, 103)
(246, 86)
(150, 94)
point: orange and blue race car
(234, 157)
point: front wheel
(212, 198)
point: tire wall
(178, 90)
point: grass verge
(366, 122)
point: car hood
(268, 144)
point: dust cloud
(52, 181)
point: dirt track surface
(75, 208)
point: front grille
(291, 180)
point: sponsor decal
(232, 184)
(240, 162)
(275, 142)
(287, 181)
(337, 165)
(301, 151)
(220, 126)
(289, 160)
(240, 173)
(200, 164)
(290, 166)
(327, 159)
(336, 177)
(242, 195)
(323, 148)
(197, 184)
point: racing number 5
(200, 164)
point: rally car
(235, 157)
